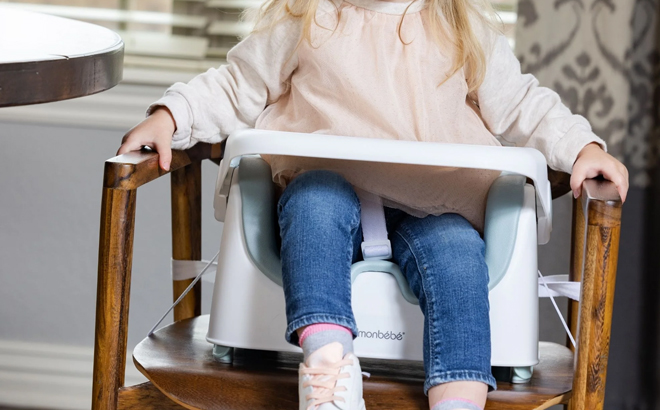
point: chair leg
(603, 221)
(186, 187)
(112, 300)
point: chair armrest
(134, 169)
(602, 191)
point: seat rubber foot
(223, 354)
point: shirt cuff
(178, 106)
(566, 150)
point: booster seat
(248, 302)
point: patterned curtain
(603, 58)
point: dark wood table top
(45, 58)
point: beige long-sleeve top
(362, 80)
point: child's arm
(214, 104)
(515, 107)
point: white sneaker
(328, 382)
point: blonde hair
(458, 15)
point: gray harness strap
(375, 244)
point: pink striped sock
(320, 327)
(456, 403)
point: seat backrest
(505, 202)
(261, 232)
(259, 213)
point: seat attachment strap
(183, 269)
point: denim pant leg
(319, 218)
(443, 260)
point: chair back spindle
(186, 187)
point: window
(178, 35)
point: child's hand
(593, 161)
(155, 132)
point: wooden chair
(178, 361)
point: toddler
(426, 70)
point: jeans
(442, 258)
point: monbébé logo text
(377, 334)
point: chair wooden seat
(178, 361)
